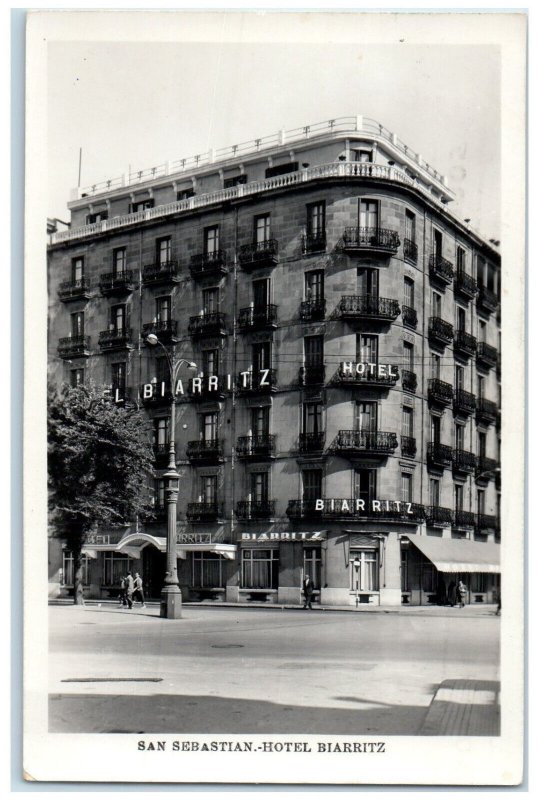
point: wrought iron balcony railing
(465, 284)
(160, 273)
(369, 377)
(440, 269)
(74, 290)
(161, 452)
(116, 339)
(74, 346)
(256, 447)
(464, 519)
(464, 461)
(409, 317)
(487, 522)
(409, 380)
(259, 254)
(256, 318)
(487, 300)
(440, 392)
(210, 324)
(314, 242)
(208, 264)
(373, 442)
(486, 410)
(464, 402)
(257, 382)
(437, 515)
(204, 512)
(303, 509)
(311, 442)
(408, 446)
(378, 239)
(368, 306)
(410, 251)
(439, 455)
(487, 356)
(165, 330)
(116, 282)
(486, 470)
(205, 450)
(255, 509)
(464, 343)
(311, 310)
(312, 374)
(440, 330)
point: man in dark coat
(129, 589)
(308, 590)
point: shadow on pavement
(184, 714)
(464, 707)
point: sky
(139, 104)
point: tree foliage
(99, 463)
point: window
(261, 356)
(481, 444)
(76, 377)
(364, 570)
(210, 300)
(312, 565)
(459, 437)
(438, 244)
(312, 484)
(314, 285)
(459, 497)
(408, 356)
(208, 489)
(480, 387)
(460, 318)
(68, 571)
(479, 582)
(260, 421)
(312, 418)
(435, 429)
(366, 348)
(261, 294)
(365, 485)
(115, 567)
(365, 416)
(434, 492)
(363, 156)
(262, 229)
(461, 259)
(259, 569)
(141, 205)
(77, 324)
(163, 250)
(459, 378)
(118, 315)
(367, 281)
(98, 216)
(211, 240)
(482, 331)
(435, 366)
(159, 493)
(119, 376)
(162, 309)
(316, 219)
(162, 369)
(481, 271)
(208, 426)
(409, 226)
(282, 169)
(314, 351)
(237, 180)
(208, 569)
(368, 214)
(161, 432)
(436, 304)
(407, 421)
(409, 299)
(429, 578)
(119, 260)
(210, 362)
(259, 487)
(77, 269)
(480, 501)
(406, 487)
(185, 194)
(405, 585)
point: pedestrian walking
(452, 593)
(308, 590)
(138, 590)
(461, 594)
(129, 589)
(123, 592)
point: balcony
(74, 290)
(439, 456)
(351, 443)
(487, 356)
(261, 382)
(487, 300)
(311, 442)
(312, 310)
(369, 307)
(439, 392)
(464, 461)
(408, 446)
(257, 319)
(160, 454)
(208, 265)
(372, 240)
(204, 512)
(255, 509)
(410, 251)
(303, 509)
(464, 343)
(464, 519)
(259, 254)
(409, 381)
(486, 411)
(111, 283)
(440, 331)
(312, 375)
(313, 243)
(156, 393)
(409, 317)
(165, 330)
(209, 387)
(205, 451)
(372, 375)
(464, 403)
(116, 339)
(440, 270)
(258, 447)
(487, 523)
(356, 509)
(211, 324)
(465, 284)
(74, 347)
(160, 274)
(487, 469)
(437, 516)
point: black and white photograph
(274, 313)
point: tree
(99, 463)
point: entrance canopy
(459, 555)
(133, 543)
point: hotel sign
(368, 369)
(285, 536)
(194, 538)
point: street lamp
(171, 596)
(357, 564)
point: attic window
(282, 169)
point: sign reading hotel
(368, 369)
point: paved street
(238, 670)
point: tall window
(480, 387)
(480, 501)
(459, 377)
(365, 416)
(164, 250)
(68, 570)
(408, 356)
(459, 437)
(312, 484)
(459, 497)
(481, 271)
(210, 300)
(260, 421)
(119, 377)
(409, 298)
(211, 240)
(210, 362)
(407, 421)
(77, 269)
(314, 351)
(115, 567)
(162, 369)
(434, 492)
(312, 418)
(409, 225)
(436, 304)
(261, 294)
(435, 429)
(262, 231)
(314, 285)
(259, 487)
(368, 214)
(406, 487)
(435, 365)
(365, 485)
(460, 318)
(461, 259)
(76, 377)
(208, 426)
(482, 331)
(367, 281)
(119, 261)
(208, 569)
(118, 318)
(312, 565)
(316, 219)
(77, 324)
(208, 489)
(159, 493)
(481, 443)
(259, 569)
(261, 356)
(438, 244)
(366, 348)
(364, 570)
(160, 432)
(162, 309)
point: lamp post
(171, 596)
(357, 565)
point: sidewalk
(464, 708)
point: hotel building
(345, 418)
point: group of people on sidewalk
(130, 590)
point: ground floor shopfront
(365, 565)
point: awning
(219, 548)
(459, 555)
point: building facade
(344, 420)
